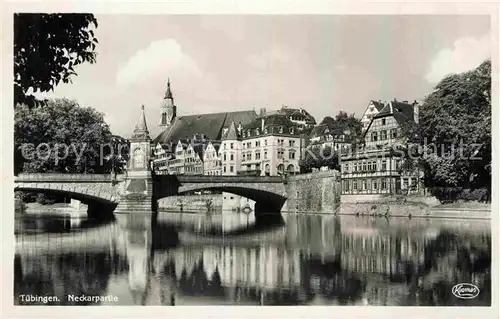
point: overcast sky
(224, 63)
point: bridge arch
(99, 205)
(97, 191)
(268, 192)
(257, 194)
(84, 195)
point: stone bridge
(101, 191)
(139, 190)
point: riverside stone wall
(410, 209)
(317, 192)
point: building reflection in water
(322, 260)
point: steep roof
(378, 104)
(211, 125)
(292, 111)
(232, 133)
(199, 149)
(319, 130)
(323, 129)
(270, 120)
(401, 111)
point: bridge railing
(56, 177)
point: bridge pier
(138, 196)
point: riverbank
(58, 209)
(412, 209)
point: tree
(47, 48)
(319, 157)
(73, 137)
(454, 131)
(345, 121)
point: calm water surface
(224, 259)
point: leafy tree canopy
(454, 131)
(344, 120)
(47, 48)
(81, 130)
(319, 157)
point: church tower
(168, 109)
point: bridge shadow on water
(171, 234)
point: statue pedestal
(138, 194)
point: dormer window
(281, 129)
(244, 135)
(291, 130)
(257, 131)
(248, 133)
(265, 130)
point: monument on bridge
(137, 193)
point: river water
(227, 259)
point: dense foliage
(77, 139)
(343, 120)
(454, 134)
(47, 48)
(320, 157)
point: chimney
(416, 110)
(263, 111)
(262, 122)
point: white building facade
(212, 164)
(271, 145)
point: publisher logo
(465, 291)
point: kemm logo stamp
(465, 291)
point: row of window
(369, 166)
(280, 167)
(281, 130)
(212, 164)
(382, 135)
(366, 184)
(280, 142)
(212, 173)
(374, 184)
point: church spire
(168, 110)
(141, 128)
(168, 93)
